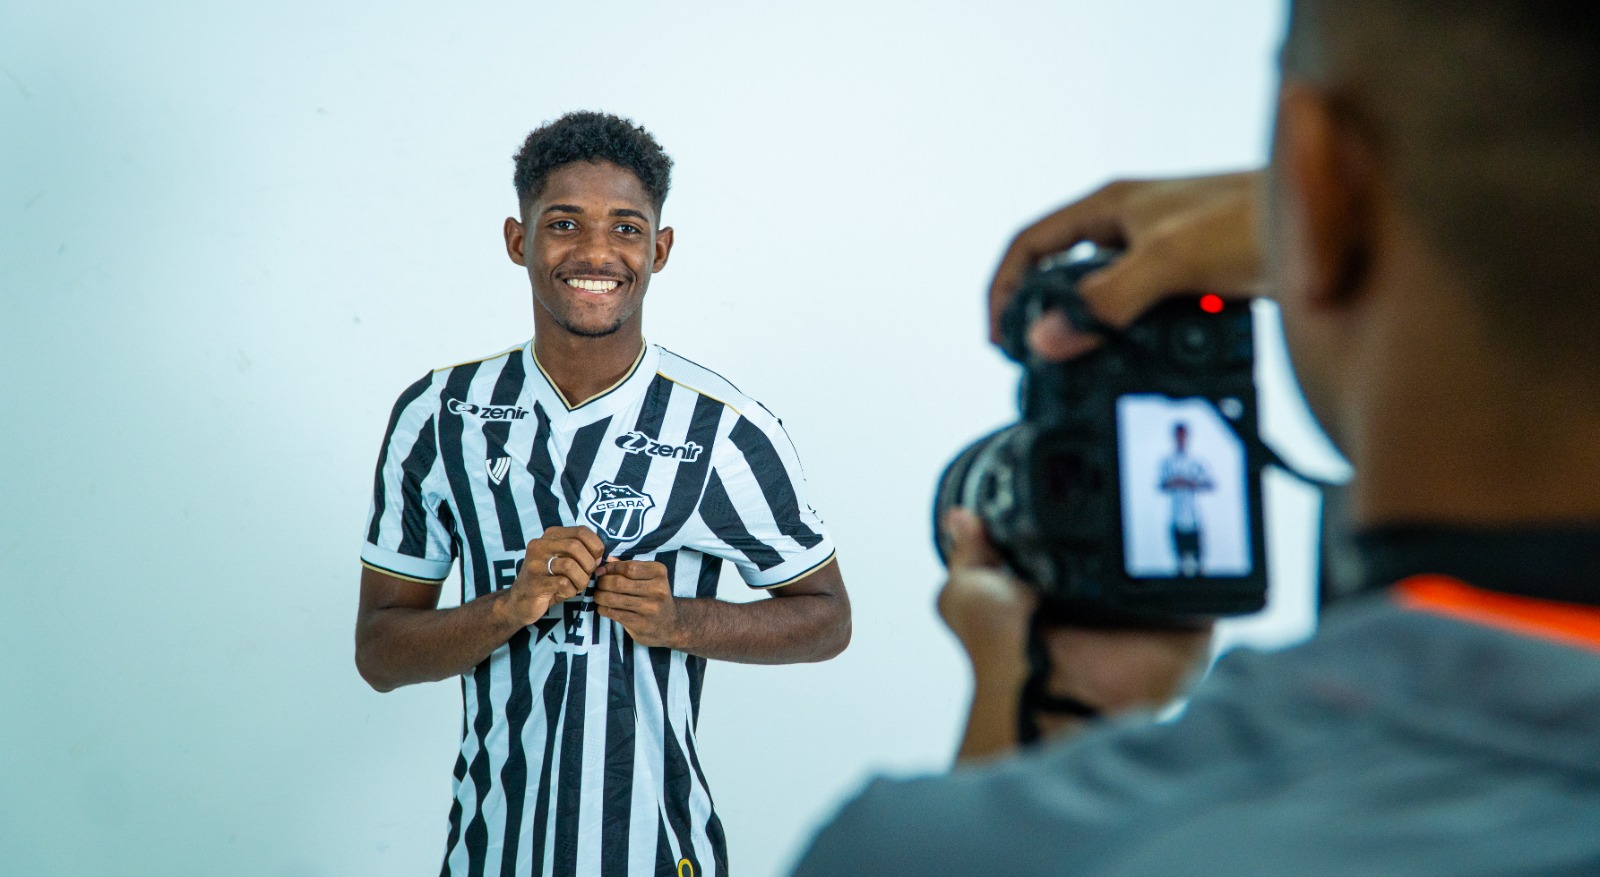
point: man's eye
(564, 225)
(625, 228)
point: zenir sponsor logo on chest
(637, 442)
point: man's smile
(594, 285)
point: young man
(1183, 476)
(1430, 213)
(591, 486)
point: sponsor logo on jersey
(485, 412)
(497, 467)
(618, 510)
(638, 443)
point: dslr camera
(1129, 492)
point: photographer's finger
(1052, 337)
(969, 544)
(1148, 272)
(1096, 218)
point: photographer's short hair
(1485, 116)
(591, 136)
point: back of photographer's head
(1434, 206)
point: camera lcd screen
(1185, 502)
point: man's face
(590, 244)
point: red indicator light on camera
(1211, 303)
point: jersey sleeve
(755, 507)
(409, 526)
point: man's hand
(1194, 234)
(637, 595)
(556, 567)
(990, 611)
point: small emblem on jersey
(485, 412)
(618, 510)
(637, 442)
(497, 468)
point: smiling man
(591, 486)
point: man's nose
(594, 247)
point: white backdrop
(230, 234)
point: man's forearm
(403, 645)
(780, 630)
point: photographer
(1428, 225)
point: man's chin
(592, 331)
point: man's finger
(640, 570)
(1053, 337)
(1121, 292)
(1095, 217)
(630, 621)
(580, 550)
(591, 542)
(569, 570)
(610, 599)
(619, 584)
(969, 545)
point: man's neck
(583, 367)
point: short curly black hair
(591, 136)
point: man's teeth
(592, 285)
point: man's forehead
(586, 186)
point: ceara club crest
(618, 511)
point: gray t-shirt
(1395, 742)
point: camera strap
(1036, 698)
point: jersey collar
(615, 398)
(1550, 562)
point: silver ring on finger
(550, 564)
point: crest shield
(618, 511)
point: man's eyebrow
(619, 212)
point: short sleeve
(755, 505)
(409, 527)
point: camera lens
(967, 484)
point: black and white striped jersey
(578, 745)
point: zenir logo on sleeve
(618, 510)
(637, 442)
(485, 412)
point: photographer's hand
(1116, 671)
(989, 611)
(1194, 234)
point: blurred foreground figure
(1428, 223)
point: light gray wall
(230, 234)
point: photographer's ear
(1324, 159)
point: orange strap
(1568, 623)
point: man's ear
(663, 249)
(515, 234)
(1329, 166)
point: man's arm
(403, 638)
(805, 620)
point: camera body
(1130, 490)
